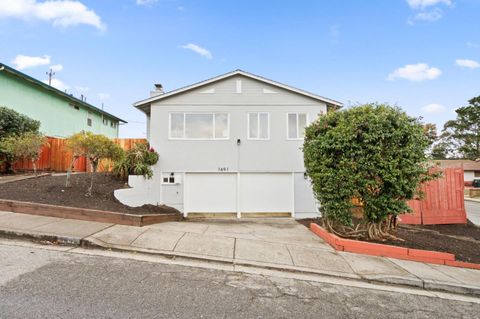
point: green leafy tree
(373, 152)
(137, 161)
(461, 137)
(13, 123)
(95, 147)
(26, 146)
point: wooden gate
(443, 201)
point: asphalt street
(473, 211)
(40, 283)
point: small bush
(137, 161)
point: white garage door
(211, 193)
(257, 193)
(272, 193)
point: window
(113, 124)
(476, 173)
(105, 121)
(296, 123)
(201, 126)
(89, 118)
(76, 107)
(170, 178)
(258, 126)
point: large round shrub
(375, 153)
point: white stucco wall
(143, 191)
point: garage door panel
(265, 193)
(211, 193)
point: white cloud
(56, 67)
(415, 72)
(430, 16)
(103, 96)
(146, 2)
(62, 13)
(465, 63)
(472, 45)
(420, 4)
(56, 83)
(198, 49)
(434, 108)
(24, 62)
(81, 89)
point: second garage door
(266, 193)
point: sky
(421, 55)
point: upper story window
(199, 126)
(89, 118)
(296, 123)
(258, 126)
(105, 121)
(113, 124)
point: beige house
(471, 169)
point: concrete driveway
(278, 241)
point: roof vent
(158, 90)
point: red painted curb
(462, 264)
(374, 249)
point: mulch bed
(461, 240)
(51, 190)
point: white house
(230, 145)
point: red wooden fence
(56, 157)
(443, 202)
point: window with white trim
(89, 118)
(259, 126)
(296, 123)
(201, 126)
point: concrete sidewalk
(279, 244)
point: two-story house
(230, 145)
(60, 114)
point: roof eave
(149, 100)
(26, 77)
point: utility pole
(50, 75)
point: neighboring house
(471, 169)
(59, 113)
(232, 145)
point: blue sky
(422, 55)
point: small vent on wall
(209, 91)
(268, 91)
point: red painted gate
(443, 202)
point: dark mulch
(461, 240)
(51, 190)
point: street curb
(92, 243)
(471, 199)
(42, 238)
(384, 279)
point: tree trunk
(34, 167)
(69, 171)
(92, 174)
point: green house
(59, 113)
